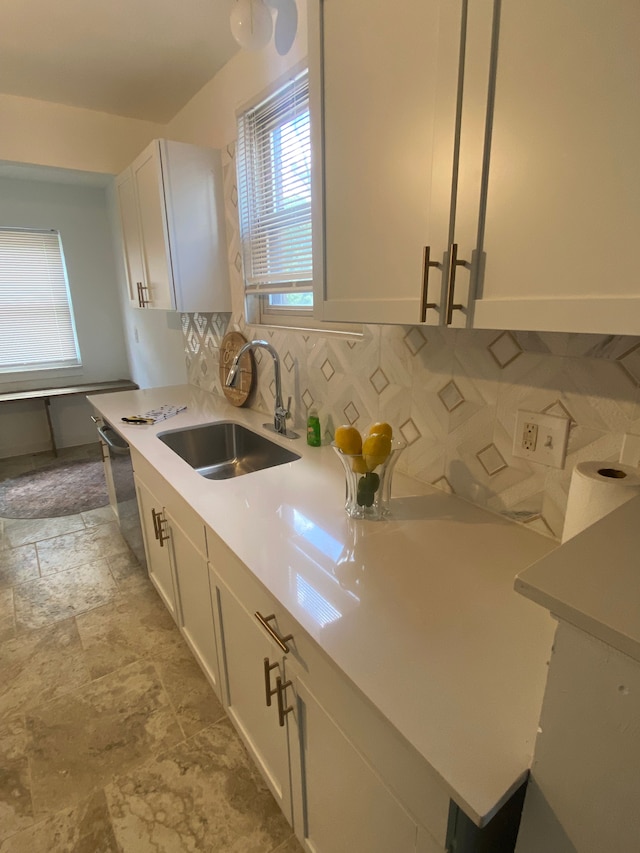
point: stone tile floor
(110, 737)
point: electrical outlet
(529, 436)
(541, 438)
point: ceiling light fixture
(251, 24)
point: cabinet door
(387, 134)
(156, 258)
(563, 184)
(342, 805)
(194, 611)
(128, 208)
(194, 202)
(158, 560)
(243, 650)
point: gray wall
(79, 211)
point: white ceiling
(138, 58)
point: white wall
(57, 135)
(80, 214)
(209, 117)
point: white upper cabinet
(385, 82)
(563, 183)
(504, 136)
(172, 214)
(132, 249)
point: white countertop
(418, 611)
(593, 580)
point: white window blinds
(274, 190)
(36, 321)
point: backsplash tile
(451, 394)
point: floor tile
(194, 702)
(78, 742)
(7, 618)
(202, 795)
(22, 531)
(291, 845)
(39, 666)
(84, 828)
(127, 571)
(18, 565)
(16, 810)
(131, 626)
(62, 595)
(83, 546)
(95, 517)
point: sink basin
(225, 449)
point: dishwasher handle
(118, 449)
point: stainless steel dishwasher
(121, 486)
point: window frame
(258, 311)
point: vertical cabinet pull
(427, 263)
(280, 641)
(142, 301)
(268, 690)
(454, 263)
(158, 521)
(280, 689)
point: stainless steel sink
(225, 449)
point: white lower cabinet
(251, 663)
(158, 561)
(342, 804)
(194, 609)
(298, 717)
(175, 545)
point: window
(274, 189)
(37, 329)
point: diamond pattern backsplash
(452, 395)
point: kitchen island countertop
(593, 580)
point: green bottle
(313, 429)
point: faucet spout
(280, 413)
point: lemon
(348, 440)
(358, 465)
(381, 428)
(375, 449)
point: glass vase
(368, 490)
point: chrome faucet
(280, 414)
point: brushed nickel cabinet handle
(162, 538)
(454, 263)
(280, 641)
(268, 690)
(142, 301)
(426, 264)
(158, 521)
(282, 711)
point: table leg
(47, 408)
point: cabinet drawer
(181, 512)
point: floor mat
(64, 488)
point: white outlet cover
(551, 444)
